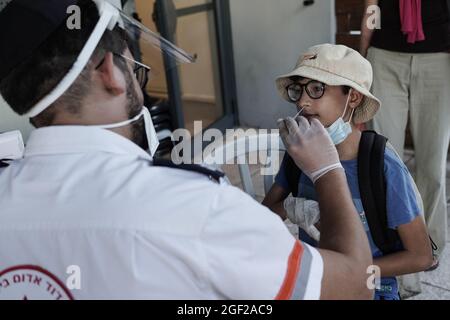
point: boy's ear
(356, 98)
(112, 79)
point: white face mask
(340, 130)
(150, 131)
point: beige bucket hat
(336, 65)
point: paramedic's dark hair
(35, 77)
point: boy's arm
(274, 200)
(366, 33)
(403, 204)
(416, 256)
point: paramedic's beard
(134, 107)
(138, 133)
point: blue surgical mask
(340, 130)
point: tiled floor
(435, 285)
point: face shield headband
(110, 17)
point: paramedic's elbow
(363, 275)
(366, 294)
(367, 289)
(362, 280)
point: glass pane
(200, 82)
(157, 86)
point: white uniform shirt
(86, 216)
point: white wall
(268, 37)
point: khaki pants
(418, 85)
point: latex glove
(304, 213)
(310, 146)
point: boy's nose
(304, 103)
(305, 100)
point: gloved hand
(304, 213)
(310, 146)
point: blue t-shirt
(401, 202)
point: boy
(331, 83)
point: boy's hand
(310, 146)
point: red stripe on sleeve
(292, 272)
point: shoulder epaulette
(212, 174)
(3, 164)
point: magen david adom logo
(28, 282)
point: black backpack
(372, 187)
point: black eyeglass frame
(304, 87)
(140, 70)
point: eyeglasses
(313, 88)
(140, 70)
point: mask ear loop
(351, 115)
(121, 124)
(346, 105)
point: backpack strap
(212, 174)
(372, 186)
(292, 174)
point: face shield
(146, 47)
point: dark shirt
(436, 26)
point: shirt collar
(79, 139)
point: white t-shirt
(85, 215)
